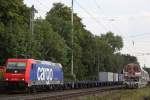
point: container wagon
(120, 78)
(105, 76)
(115, 77)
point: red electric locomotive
(22, 73)
(17, 71)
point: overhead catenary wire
(97, 21)
(100, 8)
(134, 36)
(97, 4)
(138, 35)
(41, 4)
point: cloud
(124, 17)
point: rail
(67, 94)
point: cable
(133, 36)
(97, 21)
(43, 5)
(99, 7)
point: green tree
(115, 42)
(50, 45)
(52, 41)
(14, 20)
(60, 19)
(13, 11)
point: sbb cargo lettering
(44, 74)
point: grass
(126, 94)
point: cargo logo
(45, 74)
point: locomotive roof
(38, 61)
(18, 59)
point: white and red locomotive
(135, 76)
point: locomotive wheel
(28, 90)
(34, 90)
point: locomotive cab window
(16, 65)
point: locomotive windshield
(16, 65)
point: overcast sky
(128, 18)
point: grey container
(105, 76)
(120, 77)
(115, 77)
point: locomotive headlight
(23, 79)
(7, 79)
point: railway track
(67, 94)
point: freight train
(135, 76)
(33, 75)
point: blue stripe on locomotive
(45, 74)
